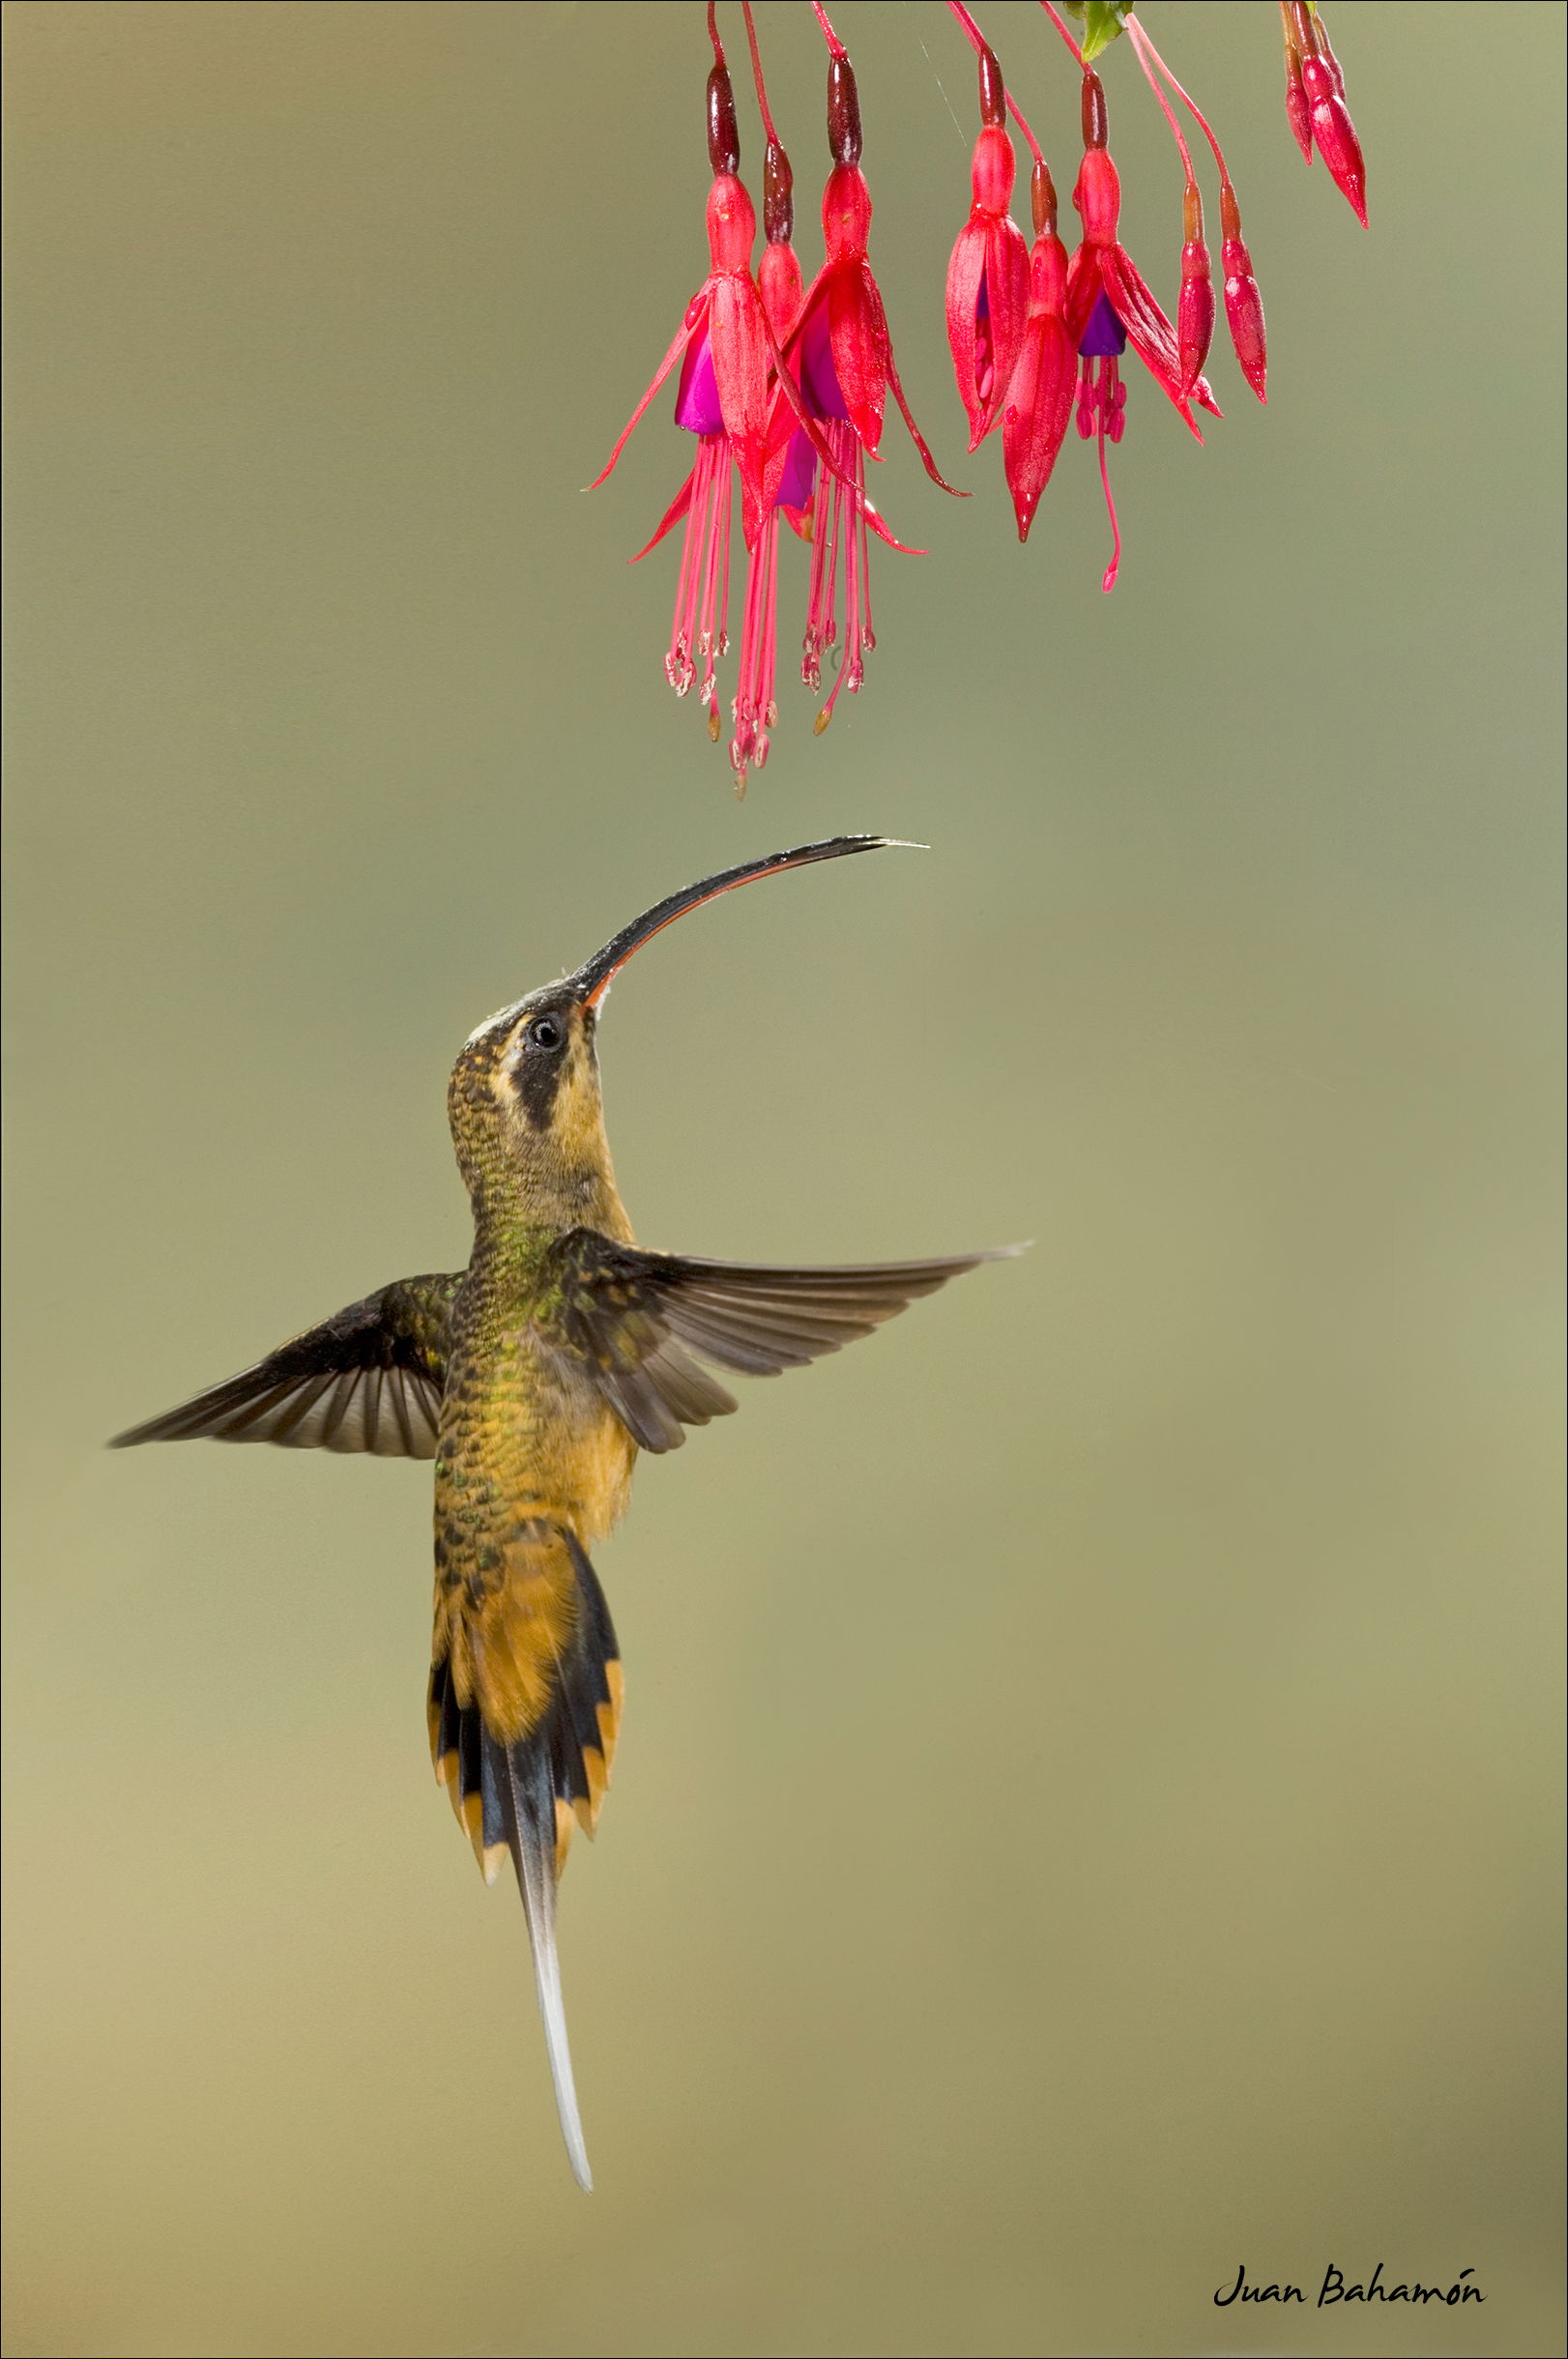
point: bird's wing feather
(642, 1322)
(370, 1379)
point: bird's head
(527, 1116)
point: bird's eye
(546, 1033)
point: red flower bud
(1195, 309)
(1335, 135)
(1243, 303)
(987, 279)
(1040, 396)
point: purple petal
(799, 473)
(820, 388)
(1105, 336)
(696, 404)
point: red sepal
(990, 253)
(696, 316)
(1244, 313)
(671, 517)
(1335, 135)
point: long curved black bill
(592, 981)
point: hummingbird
(532, 1377)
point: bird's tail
(522, 1797)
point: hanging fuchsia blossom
(844, 354)
(1083, 315)
(722, 399)
(771, 423)
(729, 396)
(1109, 304)
(724, 318)
(988, 275)
(1110, 307)
(1040, 399)
(849, 353)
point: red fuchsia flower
(1040, 396)
(841, 354)
(725, 314)
(988, 277)
(1037, 393)
(1109, 302)
(1110, 306)
(842, 325)
(1315, 103)
(754, 423)
(723, 398)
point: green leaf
(1101, 19)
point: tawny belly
(512, 1476)
(515, 1450)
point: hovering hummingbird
(532, 1377)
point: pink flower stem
(756, 75)
(1140, 43)
(978, 43)
(712, 32)
(1078, 54)
(1109, 579)
(835, 46)
(1146, 51)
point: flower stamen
(1107, 580)
(702, 585)
(754, 710)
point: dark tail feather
(529, 1809)
(523, 1799)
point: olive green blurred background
(1087, 1813)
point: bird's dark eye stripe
(539, 1070)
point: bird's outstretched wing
(370, 1379)
(642, 1322)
